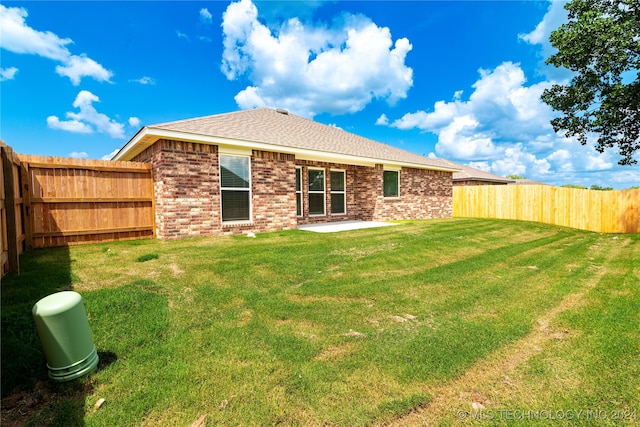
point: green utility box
(64, 332)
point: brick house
(267, 170)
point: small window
(299, 191)
(338, 194)
(235, 188)
(316, 192)
(391, 183)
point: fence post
(26, 204)
(10, 207)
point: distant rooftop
(467, 173)
(527, 181)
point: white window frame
(386, 169)
(323, 192)
(249, 190)
(299, 192)
(343, 192)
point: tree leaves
(601, 44)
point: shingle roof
(467, 173)
(282, 129)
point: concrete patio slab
(334, 227)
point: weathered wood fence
(54, 201)
(12, 230)
(600, 211)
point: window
(299, 191)
(235, 188)
(316, 192)
(391, 183)
(338, 194)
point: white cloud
(88, 119)
(503, 128)
(134, 122)
(462, 139)
(500, 112)
(8, 73)
(597, 163)
(483, 166)
(16, 36)
(144, 80)
(516, 160)
(73, 126)
(110, 155)
(80, 66)
(383, 120)
(628, 176)
(313, 69)
(556, 16)
(182, 35)
(78, 155)
(205, 15)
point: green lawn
(411, 324)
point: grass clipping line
(469, 391)
(466, 392)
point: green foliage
(515, 177)
(599, 188)
(581, 187)
(601, 45)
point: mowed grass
(353, 328)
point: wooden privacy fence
(12, 229)
(600, 211)
(71, 201)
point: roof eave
(147, 136)
(506, 181)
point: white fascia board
(147, 136)
(124, 153)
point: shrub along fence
(54, 201)
(600, 211)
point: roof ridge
(230, 113)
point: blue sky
(458, 80)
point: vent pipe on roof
(282, 111)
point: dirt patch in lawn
(335, 352)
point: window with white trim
(338, 193)
(391, 183)
(299, 191)
(235, 188)
(317, 196)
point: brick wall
(187, 192)
(186, 183)
(273, 180)
(423, 194)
